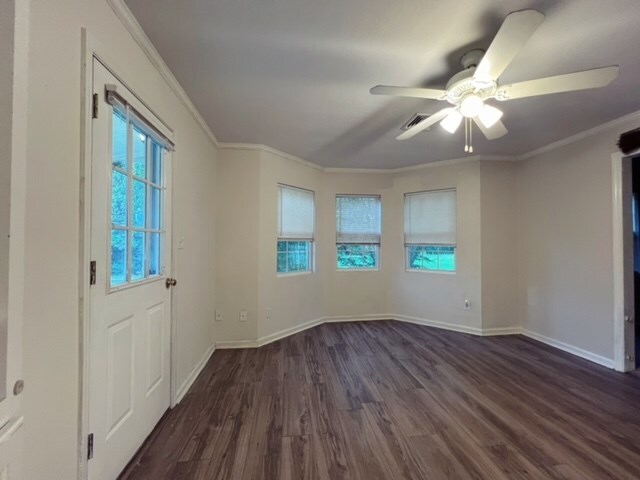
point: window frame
(311, 265)
(135, 122)
(378, 245)
(407, 246)
(311, 241)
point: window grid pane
(137, 197)
(118, 257)
(293, 256)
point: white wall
(293, 299)
(439, 296)
(51, 325)
(498, 182)
(247, 218)
(565, 242)
(355, 293)
(238, 195)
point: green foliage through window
(431, 257)
(294, 256)
(357, 256)
(136, 203)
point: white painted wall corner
(191, 378)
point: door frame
(91, 49)
(622, 257)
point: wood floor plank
(390, 400)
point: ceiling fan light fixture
(452, 121)
(489, 115)
(471, 105)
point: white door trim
(621, 281)
(90, 49)
(618, 263)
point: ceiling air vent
(418, 117)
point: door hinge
(92, 272)
(90, 446)
(94, 110)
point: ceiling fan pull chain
(466, 136)
(470, 136)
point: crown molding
(267, 149)
(410, 168)
(130, 22)
(579, 136)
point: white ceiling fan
(469, 90)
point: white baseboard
(442, 325)
(494, 331)
(599, 359)
(186, 385)
(280, 334)
(358, 318)
(224, 344)
(289, 331)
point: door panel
(129, 366)
(119, 373)
(155, 337)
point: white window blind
(430, 218)
(296, 218)
(358, 219)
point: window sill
(347, 270)
(436, 272)
(293, 274)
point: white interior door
(130, 316)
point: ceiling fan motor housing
(463, 84)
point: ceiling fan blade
(513, 34)
(424, 124)
(497, 130)
(598, 77)
(409, 92)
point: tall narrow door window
(137, 201)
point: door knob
(170, 282)
(18, 387)
(628, 319)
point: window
(296, 222)
(430, 230)
(358, 232)
(137, 197)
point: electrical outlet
(467, 304)
(219, 315)
(268, 313)
(244, 315)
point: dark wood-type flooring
(390, 400)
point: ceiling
(295, 74)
